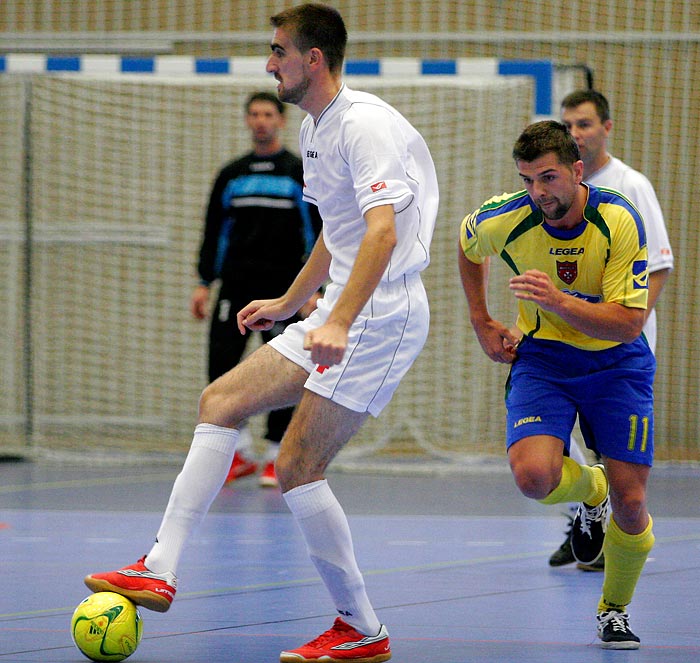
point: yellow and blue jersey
(602, 259)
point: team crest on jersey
(567, 271)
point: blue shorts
(611, 391)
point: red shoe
(154, 591)
(268, 478)
(240, 467)
(342, 643)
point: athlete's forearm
(312, 276)
(474, 279)
(608, 321)
(604, 320)
(370, 263)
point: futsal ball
(106, 627)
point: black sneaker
(598, 565)
(614, 630)
(563, 555)
(588, 532)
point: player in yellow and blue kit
(579, 260)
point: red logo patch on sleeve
(378, 186)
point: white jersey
(359, 154)
(634, 185)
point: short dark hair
(316, 25)
(264, 96)
(578, 97)
(544, 137)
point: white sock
(195, 488)
(327, 533)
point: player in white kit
(360, 139)
(372, 177)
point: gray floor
(456, 566)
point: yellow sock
(625, 556)
(579, 483)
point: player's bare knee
(207, 401)
(217, 406)
(533, 482)
(630, 512)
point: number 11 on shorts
(634, 425)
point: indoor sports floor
(456, 566)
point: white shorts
(383, 343)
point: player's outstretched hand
(261, 314)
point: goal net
(101, 353)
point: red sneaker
(240, 467)
(154, 591)
(342, 643)
(268, 478)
